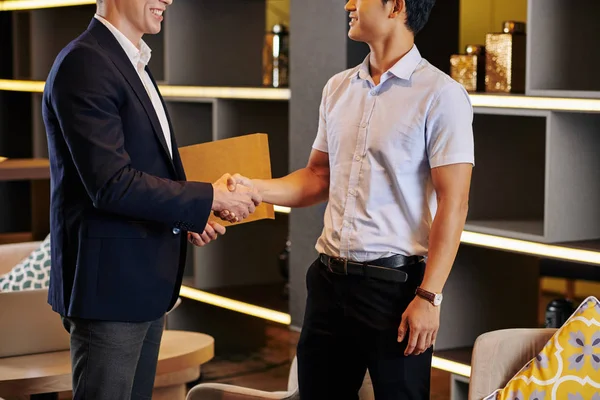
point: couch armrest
(11, 254)
(220, 391)
(499, 355)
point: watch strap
(427, 295)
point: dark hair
(417, 13)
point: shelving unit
(535, 187)
(228, 37)
(561, 56)
(534, 163)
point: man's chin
(355, 37)
(153, 30)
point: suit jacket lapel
(119, 57)
(176, 157)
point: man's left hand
(422, 320)
(211, 232)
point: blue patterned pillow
(31, 273)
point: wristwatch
(433, 298)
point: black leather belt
(386, 269)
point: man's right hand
(236, 200)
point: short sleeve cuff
(320, 145)
(452, 159)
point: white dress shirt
(382, 141)
(140, 58)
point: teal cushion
(31, 273)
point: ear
(398, 8)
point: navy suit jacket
(120, 206)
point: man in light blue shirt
(393, 157)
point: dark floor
(268, 368)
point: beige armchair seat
(499, 355)
(220, 391)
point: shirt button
(364, 125)
(356, 158)
(176, 231)
(373, 92)
(352, 192)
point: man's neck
(386, 53)
(122, 25)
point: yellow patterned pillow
(568, 367)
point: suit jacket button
(176, 231)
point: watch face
(438, 299)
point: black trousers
(113, 360)
(351, 325)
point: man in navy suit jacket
(120, 204)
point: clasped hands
(234, 200)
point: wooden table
(43, 376)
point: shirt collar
(141, 55)
(403, 69)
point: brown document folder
(247, 155)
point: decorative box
(469, 69)
(505, 59)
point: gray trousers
(113, 360)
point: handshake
(234, 199)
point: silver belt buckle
(338, 261)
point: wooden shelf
(20, 169)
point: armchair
(499, 355)
(220, 391)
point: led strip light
(531, 248)
(235, 305)
(169, 91)
(14, 5)
(535, 103)
(451, 366)
(22, 86)
(282, 210)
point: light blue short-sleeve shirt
(382, 142)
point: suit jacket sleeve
(85, 97)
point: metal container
(558, 312)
